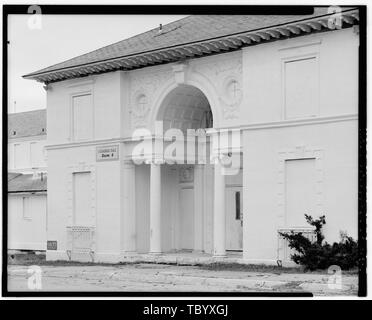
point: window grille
(284, 252)
(80, 243)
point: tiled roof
(192, 29)
(12, 175)
(26, 124)
(26, 183)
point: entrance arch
(187, 200)
(184, 107)
(194, 80)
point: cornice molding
(201, 48)
(253, 126)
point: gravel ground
(172, 278)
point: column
(155, 208)
(219, 229)
(129, 208)
(198, 207)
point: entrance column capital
(156, 161)
(128, 163)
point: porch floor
(183, 258)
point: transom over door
(234, 218)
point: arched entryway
(186, 210)
(183, 228)
(185, 107)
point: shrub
(320, 254)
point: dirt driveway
(171, 278)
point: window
(237, 205)
(36, 154)
(301, 88)
(27, 208)
(82, 199)
(300, 186)
(21, 156)
(82, 117)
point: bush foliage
(320, 254)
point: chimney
(160, 28)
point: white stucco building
(288, 85)
(27, 181)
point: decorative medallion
(140, 111)
(231, 98)
(225, 75)
(144, 86)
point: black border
(362, 152)
(191, 9)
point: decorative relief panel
(220, 67)
(140, 109)
(226, 75)
(144, 86)
(186, 174)
(231, 98)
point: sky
(62, 37)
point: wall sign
(51, 245)
(107, 153)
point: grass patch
(218, 266)
(31, 258)
(222, 266)
(28, 259)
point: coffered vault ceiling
(185, 107)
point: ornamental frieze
(226, 76)
(143, 87)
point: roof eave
(201, 48)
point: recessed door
(234, 218)
(187, 218)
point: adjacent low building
(27, 134)
(27, 211)
(27, 181)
